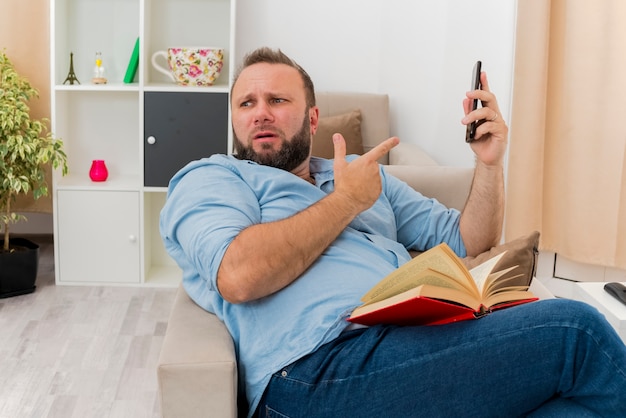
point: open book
(436, 288)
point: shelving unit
(107, 233)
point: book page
(497, 281)
(482, 271)
(508, 297)
(437, 258)
(408, 279)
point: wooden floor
(68, 351)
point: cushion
(348, 124)
(521, 252)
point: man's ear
(314, 115)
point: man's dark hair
(276, 56)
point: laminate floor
(81, 351)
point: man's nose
(262, 112)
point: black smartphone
(476, 85)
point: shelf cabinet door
(98, 236)
(180, 127)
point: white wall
(420, 52)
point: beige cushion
(374, 108)
(348, 125)
(521, 252)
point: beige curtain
(567, 174)
(24, 27)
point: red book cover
(436, 288)
(425, 311)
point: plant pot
(18, 269)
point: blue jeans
(552, 358)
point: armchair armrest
(197, 368)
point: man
(281, 246)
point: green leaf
(25, 143)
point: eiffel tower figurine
(71, 76)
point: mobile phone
(476, 85)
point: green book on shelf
(132, 64)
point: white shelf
(111, 87)
(85, 27)
(107, 122)
(169, 87)
(112, 183)
(155, 189)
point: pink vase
(98, 171)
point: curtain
(24, 36)
(566, 171)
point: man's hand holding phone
(486, 131)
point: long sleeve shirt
(212, 200)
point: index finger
(490, 99)
(382, 148)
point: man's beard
(290, 155)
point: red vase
(98, 171)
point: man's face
(271, 122)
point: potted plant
(25, 147)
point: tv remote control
(617, 290)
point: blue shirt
(212, 200)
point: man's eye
(277, 100)
(246, 104)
